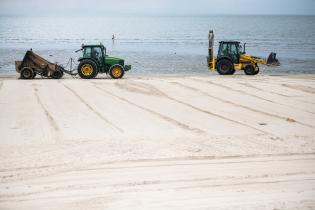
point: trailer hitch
(72, 72)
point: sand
(159, 142)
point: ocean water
(160, 45)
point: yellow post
(211, 59)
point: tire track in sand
(255, 96)
(129, 187)
(228, 88)
(193, 180)
(272, 92)
(232, 103)
(302, 88)
(263, 90)
(166, 118)
(50, 118)
(283, 157)
(148, 86)
(92, 109)
(217, 160)
(187, 183)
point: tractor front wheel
(225, 67)
(27, 73)
(87, 69)
(116, 71)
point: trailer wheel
(250, 70)
(56, 74)
(225, 67)
(87, 69)
(116, 71)
(59, 68)
(27, 73)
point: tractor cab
(94, 60)
(95, 52)
(230, 50)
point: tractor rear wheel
(225, 67)
(116, 71)
(27, 73)
(250, 70)
(87, 69)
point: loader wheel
(225, 67)
(57, 74)
(87, 69)
(250, 70)
(27, 73)
(116, 71)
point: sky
(157, 7)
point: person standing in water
(113, 37)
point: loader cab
(230, 50)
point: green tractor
(95, 60)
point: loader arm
(270, 61)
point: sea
(160, 44)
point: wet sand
(162, 142)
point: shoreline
(154, 75)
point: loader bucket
(272, 59)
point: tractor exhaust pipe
(272, 60)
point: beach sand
(159, 142)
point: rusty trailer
(33, 64)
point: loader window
(225, 50)
(235, 53)
(230, 50)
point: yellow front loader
(232, 57)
